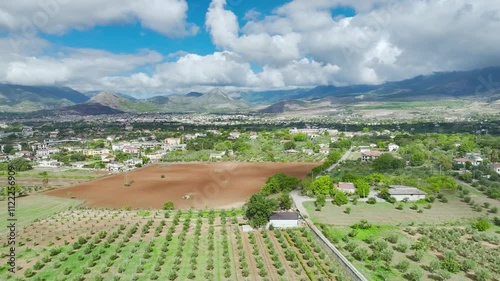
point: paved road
(298, 201)
(343, 158)
(299, 204)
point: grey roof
(405, 190)
(284, 216)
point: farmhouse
(172, 141)
(370, 155)
(324, 150)
(400, 192)
(347, 187)
(284, 220)
(496, 167)
(475, 158)
(392, 147)
(460, 161)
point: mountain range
(479, 84)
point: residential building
(392, 147)
(495, 167)
(97, 151)
(284, 220)
(370, 155)
(234, 135)
(475, 158)
(324, 150)
(401, 192)
(49, 163)
(460, 161)
(172, 141)
(347, 187)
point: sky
(158, 47)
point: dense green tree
(437, 183)
(259, 208)
(387, 162)
(417, 158)
(77, 157)
(362, 187)
(322, 185)
(285, 202)
(8, 148)
(289, 145)
(340, 199)
(280, 183)
(300, 137)
(21, 164)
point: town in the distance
(239, 140)
(253, 197)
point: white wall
(410, 197)
(283, 223)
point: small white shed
(284, 220)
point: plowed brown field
(200, 185)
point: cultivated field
(201, 185)
(57, 177)
(33, 207)
(98, 244)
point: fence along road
(298, 201)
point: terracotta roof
(461, 160)
(345, 185)
(372, 153)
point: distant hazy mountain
(284, 106)
(479, 85)
(194, 94)
(18, 98)
(120, 103)
(215, 100)
(92, 94)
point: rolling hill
(19, 98)
(480, 85)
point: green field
(33, 207)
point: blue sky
(146, 47)
(131, 37)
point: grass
(33, 207)
(387, 214)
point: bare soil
(200, 185)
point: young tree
(320, 202)
(169, 205)
(340, 199)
